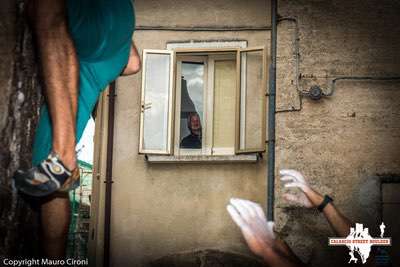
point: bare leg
(60, 69)
(55, 216)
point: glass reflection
(192, 91)
(156, 102)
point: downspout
(108, 179)
(271, 114)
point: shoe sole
(21, 183)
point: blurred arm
(134, 63)
(309, 198)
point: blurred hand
(134, 64)
(307, 197)
(250, 218)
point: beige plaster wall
(205, 13)
(341, 143)
(160, 209)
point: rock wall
(19, 109)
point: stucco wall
(206, 13)
(160, 209)
(341, 143)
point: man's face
(195, 123)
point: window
(190, 97)
(203, 102)
(157, 99)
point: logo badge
(360, 241)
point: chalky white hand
(250, 218)
(294, 179)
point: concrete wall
(341, 143)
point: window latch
(146, 106)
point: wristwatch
(327, 199)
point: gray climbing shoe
(48, 177)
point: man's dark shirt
(191, 141)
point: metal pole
(271, 114)
(109, 181)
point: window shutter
(251, 100)
(157, 100)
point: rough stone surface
(19, 107)
(206, 258)
(344, 143)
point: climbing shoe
(48, 177)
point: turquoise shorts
(102, 32)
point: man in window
(83, 46)
(193, 140)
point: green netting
(78, 234)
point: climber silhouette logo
(360, 241)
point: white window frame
(241, 101)
(171, 103)
(218, 151)
(206, 147)
(175, 94)
(208, 108)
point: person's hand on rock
(307, 197)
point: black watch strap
(327, 199)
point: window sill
(245, 158)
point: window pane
(224, 105)
(192, 91)
(252, 101)
(156, 102)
